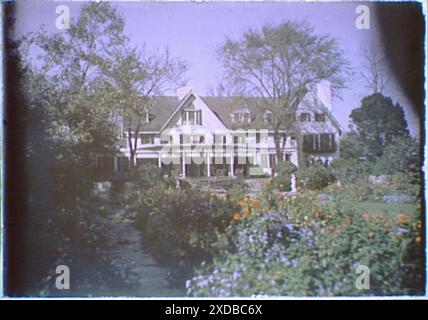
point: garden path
(141, 274)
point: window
(239, 139)
(267, 116)
(319, 143)
(166, 140)
(305, 117)
(122, 164)
(243, 116)
(148, 117)
(198, 139)
(191, 117)
(147, 138)
(319, 117)
(327, 142)
(272, 160)
(246, 117)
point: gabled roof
(162, 110)
(165, 107)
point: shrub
(350, 170)
(180, 227)
(315, 177)
(401, 155)
(284, 168)
(282, 179)
(406, 183)
(281, 253)
(149, 175)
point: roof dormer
(241, 116)
(267, 116)
(148, 117)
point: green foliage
(402, 154)
(378, 121)
(350, 169)
(315, 177)
(284, 168)
(351, 146)
(282, 179)
(406, 183)
(138, 77)
(249, 70)
(182, 226)
(149, 175)
(301, 252)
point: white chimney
(183, 91)
(324, 93)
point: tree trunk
(132, 149)
(133, 145)
(277, 141)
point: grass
(388, 208)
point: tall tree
(138, 78)
(68, 78)
(377, 122)
(375, 69)
(278, 65)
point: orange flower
(242, 202)
(403, 219)
(344, 223)
(319, 214)
(371, 234)
(255, 204)
(237, 217)
(247, 213)
(366, 216)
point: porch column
(159, 160)
(184, 165)
(208, 164)
(231, 173)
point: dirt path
(142, 275)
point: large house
(227, 136)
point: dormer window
(319, 117)
(305, 117)
(191, 117)
(148, 117)
(241, 116)
(267, 117)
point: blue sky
(193, 30)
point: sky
(192, 31)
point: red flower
(237, 217)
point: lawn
(392, 209)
